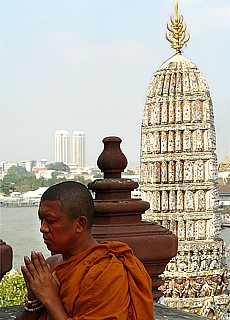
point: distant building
(28, 164)
(224, 168)
(7, 165)
(78, 148)
(224, 194)
(62, 146)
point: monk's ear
(81, 223)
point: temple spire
(177, 30)
(226, 159)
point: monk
(83, 279)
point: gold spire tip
(177, 30)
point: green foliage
(83, 180)
(55, 174)
(12, 289)
(58, 166)
(98, 176)
(18, 179)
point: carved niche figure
(156, 114)
(148, 196)
(200, 233)
(172, 201)
(197, 140)
(143, 143)
(164, 172)
(173, 223)
(189, 230)
(156, 142)
(171, 112)
(210, 230)
(187, 145)
(180, 201)
(188, 171)
(150, 115)
(178, 288)
(164, 112)
(156, 172)
(156, 201)
(149, 142)
(171, 141)
(143, 173)
(189, 201)
(172, 84)
(158, 84)
(166, 83)
(164, 201)
(194, 262)
(171, 172)
(185, 82)
(198, 171)
(163, 142)
(196, 111)
(181, 260)
(149, 172)
(214, 262)
(200, 200)
(178, 112)
(206, 141)
(206, 111)
(193, 82)
(181, 230)
(178, 174)
(145, 116)
(178, 83)
(209, 170)
(203, 264)
(178, 141)
(211, 142)
(165, 224)
(186, 111)
(210, 198)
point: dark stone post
(118, 216)
(6, 258)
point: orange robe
(105, 281)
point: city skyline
(88, 65)
(70, 149)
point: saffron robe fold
(105, 282)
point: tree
(58, 166)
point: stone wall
(161, 313)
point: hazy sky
(86, 65)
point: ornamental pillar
(119, 217)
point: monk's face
(58, 230)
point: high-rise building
(179, 179)
(78, 148)
(62, 146)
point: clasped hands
(41, 283)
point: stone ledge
(161, 313)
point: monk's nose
(44, 227)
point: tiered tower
(178, 178)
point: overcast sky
(86, 65)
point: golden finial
(177, 30)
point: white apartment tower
(62, 146)
(78, 148)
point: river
(20, 229)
